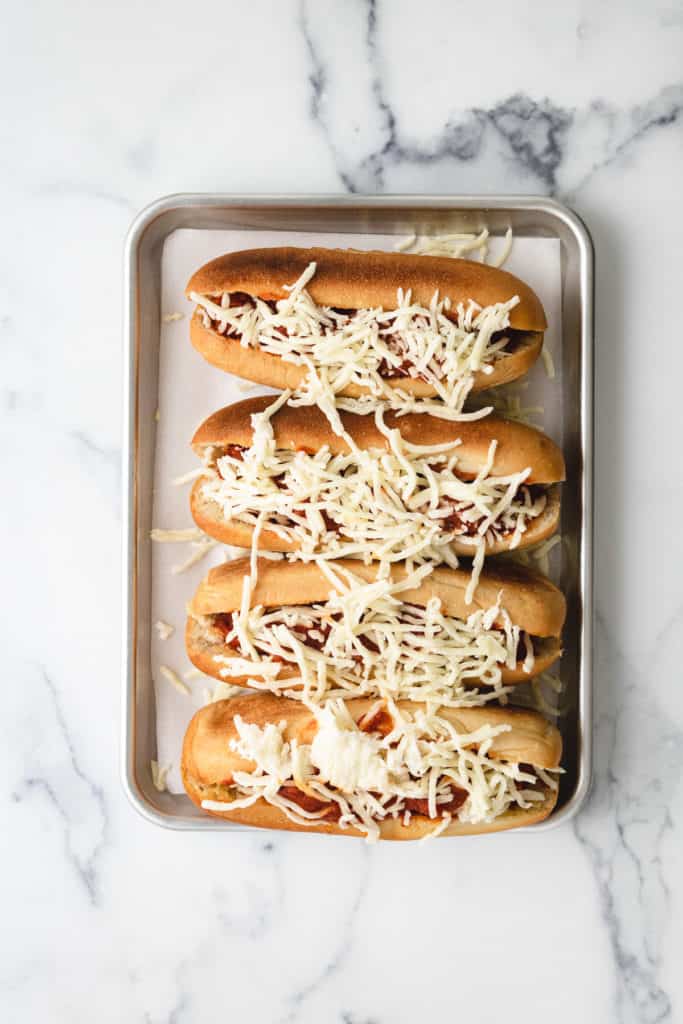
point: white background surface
(108, 107)
(190, 389)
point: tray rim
(498, 202)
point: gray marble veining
(103, 914)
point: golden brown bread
(354, 279)
(349, 279)
(518, 446)
(208, 763)
(532, 601)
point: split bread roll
(520, 486)
(345, 282)
(444, 653)
(362, 768)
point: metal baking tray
(399, 214)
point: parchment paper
(190, 389)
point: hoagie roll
(322, 629)
(370, 768)
(391, 487)
(381, 325)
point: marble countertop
(113, 105)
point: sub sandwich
(389, 487)
(327, 629)
(378, 769)
(365, 325)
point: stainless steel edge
(128, 502)
(127, 498)
(181, 205)
(587, 290)
(129, 779)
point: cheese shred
(174, 679)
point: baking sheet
(190, 389)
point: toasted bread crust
(518, 446)
(532, 601)
(208, 518)
(208, 763)
(270, 370)
(531, 739)
(353, 279)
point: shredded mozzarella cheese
(364, 348)
(456, 245)
(176, 536)
(541, 554)
(407, 502)
(192, 673)
(546, 696)
(502, 258)
(186, 478)
(548, 362)
(365, 641)
(202, 548)
(159, 775)
(369, 778)
(174, 679)
(508, 402)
